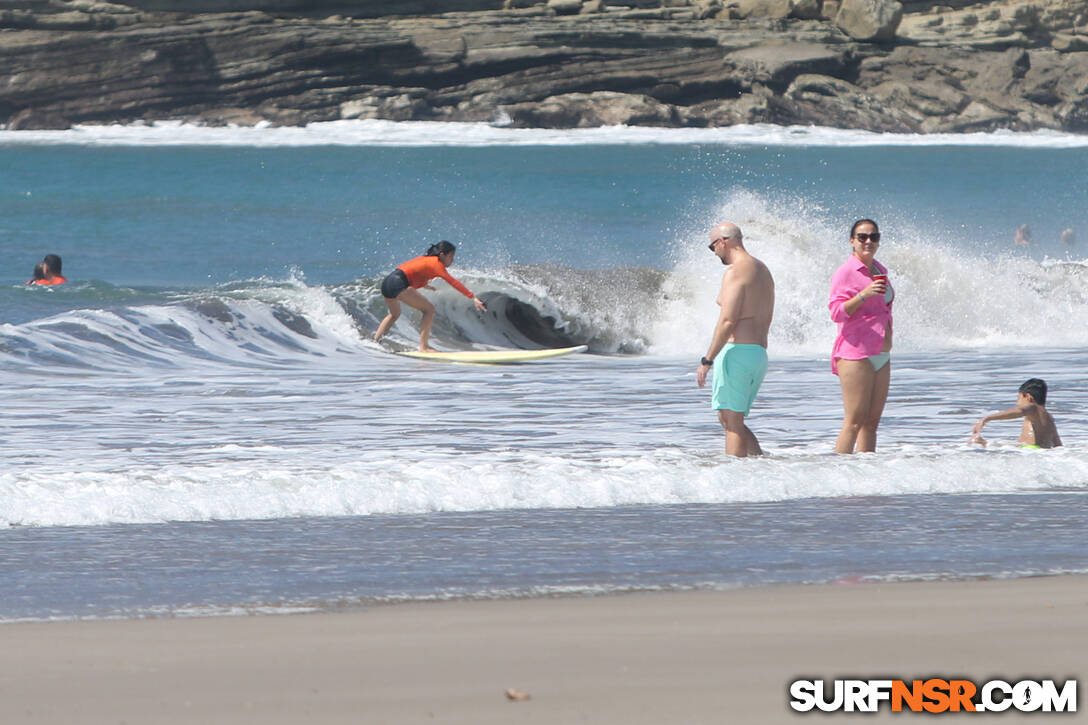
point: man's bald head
(729, 232)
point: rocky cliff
(870, 64)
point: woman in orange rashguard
(403, 285)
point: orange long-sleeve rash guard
(56, 279)
(422, 270)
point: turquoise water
(184, 217)
(206, 371)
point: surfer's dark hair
(53, 262)
(859, 222)
(1036, 388)
(442, 247)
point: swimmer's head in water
(1036, 388)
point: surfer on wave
(403, 283)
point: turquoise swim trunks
(738, 373)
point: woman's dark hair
(442, 247)
(859, 222)
(39, 270)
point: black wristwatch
(704, 361)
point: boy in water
(1038, 430)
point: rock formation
(881, 65)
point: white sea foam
(270, 486)
(947, 297)
(431, 133)
(239, 418)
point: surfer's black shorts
(394, 284)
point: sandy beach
(694, 657)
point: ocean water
(197, 422)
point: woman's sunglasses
(863, 237)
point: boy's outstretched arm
(1018, 412)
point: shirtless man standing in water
(738, 348)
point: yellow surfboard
(495, 357)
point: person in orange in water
(403, 283)
(52, 269)
(48, 271)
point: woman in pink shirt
(861, 305)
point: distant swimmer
(1069, 237)
(861, 304)
(52, 269)
(47, 272)
(1038, 430)
(1022, 237)
(402, 285)
(738, 347)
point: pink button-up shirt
(861, 334)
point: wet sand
(691, 657)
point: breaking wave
(947, 297)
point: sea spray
(946, 296)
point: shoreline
(688, 657)
(380, 133)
